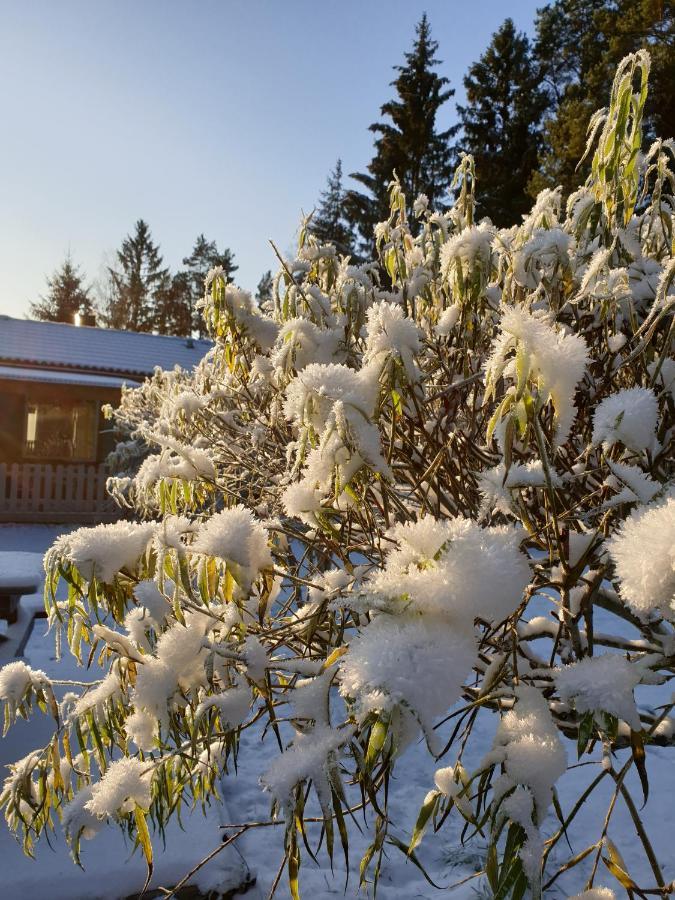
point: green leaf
(509, 879)
(392, 839)
(427, 810)
(586, 729)
(492, 867)
(342, 829)
(145, 843)
(378, 736)
(396, 401)
(294, 866)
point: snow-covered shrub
(400, 487)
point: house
(54, 380)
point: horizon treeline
(138, 291)
(524, 121)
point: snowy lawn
(111, 871)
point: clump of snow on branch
(553, 359)
(125, 785)
(102, 551)
(533, 757)
(647, 576)
(602, 683)
(234, 536)
(627, 417)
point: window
(64, 431)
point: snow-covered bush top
(399, 486)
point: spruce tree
(174, 308)
(204, 256)
(501, 124)
(137, 283)
(263, 293)
(330, 222)
(66, 296)
(409, 144)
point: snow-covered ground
(111, 872)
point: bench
(19, 574)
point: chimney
(85, 319)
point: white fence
(30, 492)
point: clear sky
(216, 117)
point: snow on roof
(59, 345)
(44, 376)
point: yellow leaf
(144, 841)
(333, 658)
(616, 865)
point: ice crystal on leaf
(413, 667)
(233, 535)
(643, 553)
(528, 347)
(392, 336)
(77, 819)
(628, 417)
(454, 570)
(313, 755)
(602, 683)
(102, 551)
(447, 321)
(599, 893)
(310, 397)
(466, 259)
(533, 758)
(545, 256)
(16, 678)
(126, 784)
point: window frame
(67, 405)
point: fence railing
(31, 492)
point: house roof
(57, 345)
(55, 376)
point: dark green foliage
(263, 293)
(408, 144)
(66, 296)
(578, 47)
(205, 256)
(501, 124)
(137, 283)
(175, 313)
(330, 222)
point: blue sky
(222, 117)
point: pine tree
(66, 296)
(579, 44)
(263, 293)
(569, 50)
(205, 256)
(409, 145)
(501, 124)
(137, 283)
(174, 308)
(330, 223)
(649, 25)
